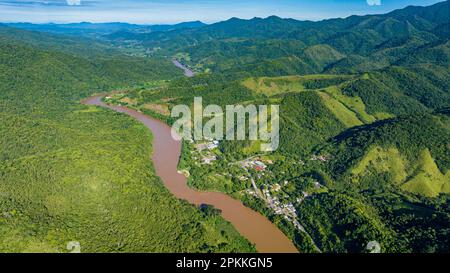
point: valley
(166, 153)
(364, 136)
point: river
(187, 72)
(166, 153)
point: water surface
(166, 153)
(187, 72)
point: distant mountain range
(353, 44)
(98, 29)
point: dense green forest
(79, 173)
(364, 134)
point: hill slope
(274, 46)
(72, 173)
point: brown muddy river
(166, 153)
(187, 72)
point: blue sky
(173, 11)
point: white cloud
(73, 2)
(374, 2)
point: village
(255, 168)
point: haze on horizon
(175, 11)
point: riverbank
(166, 153)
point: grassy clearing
(381, 160)
(428, 179)
(253, 148)
(355, 104)
(213, 181)
(271, 86)
(162, 109)
(351, 111)
(424, 178)
(183, 56)
(346, 116)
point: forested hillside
(274, 46)
(73, 173)
(364, 134)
